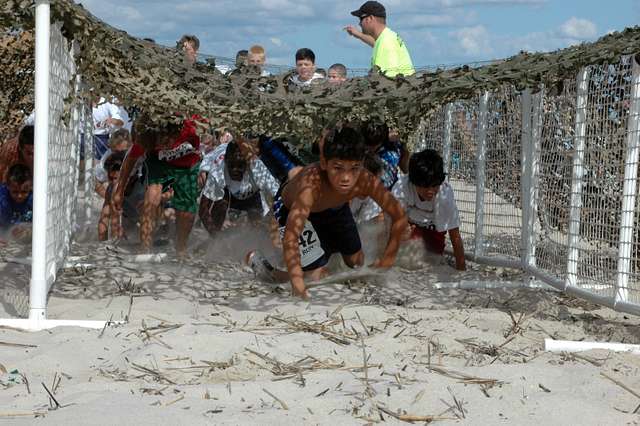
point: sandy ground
(205, 343)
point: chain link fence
(546, 180)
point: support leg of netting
(38, 286)
(579, 142)
(39, 283)
(88, 165)
(446, 145)
(481, 153)
(531, 145)
(629, 189)
(552, 345)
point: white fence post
(629, 188)
(531, 140)
(481, 153)
(576, 178)
(446, 145)
(89, 183)
(38, 285)
(525, 181)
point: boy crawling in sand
(430, 205)
(312, 210)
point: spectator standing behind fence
(390, 53)
(305, 74)
(257, 58)
(17, 150)
(189, 45)
(337, 74)
(106, 119)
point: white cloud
(473, 41)
(579, 29)
(276, 41)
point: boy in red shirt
(172, 157)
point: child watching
(313, 212)
(16, 201)
(119, 141)
(109, 218)
(189, 44)
(235, 184)
(430, 205)
(376, 137)
(337, 74)
(257, 58)
(305, 69)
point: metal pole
(38, 284)
(525, 181)
(481, 153)
(531, 145)
(629, 189)
(576, 179)
(446, 147)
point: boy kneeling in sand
(16, 203)
(237, 182)
(315, 220)
(430, 205)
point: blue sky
(436, 31)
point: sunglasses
(362, 18)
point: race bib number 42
(308, 244)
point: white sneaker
(261, 267)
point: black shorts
(336, 229)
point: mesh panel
(554, 179)
(431, 133)
(462, 167)
(605, 148)
(63, 155)
(502, 197)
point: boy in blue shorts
(312, 210)
(16, 202)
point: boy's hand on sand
(304, 295)
(408, 231)
(384, 263)
(298, 289)
(21, 233)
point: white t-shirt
(440, 213)
(101, 112)
(256, 178)
(295, 79)
(364, 210)
(100, 172)
(128, 124)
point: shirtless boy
(313, 211)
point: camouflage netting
(160, 81)
(16, 80)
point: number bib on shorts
(308, 244)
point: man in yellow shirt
(390, 53)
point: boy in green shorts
(172, 157)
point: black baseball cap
(370, 8)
